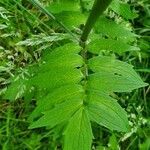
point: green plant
(74, 84)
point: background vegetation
(25, 34)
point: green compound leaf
(65, 104)
(62, 100)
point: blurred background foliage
(25, 32)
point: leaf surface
(113, 75)
(106, 111)
(78, 135)
(64, 103)
(62, 112)
(113, 30)
(63, 5)
(117, 46)
(58, 95)
(123, 9)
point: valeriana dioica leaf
(62, 99)
(73, 90)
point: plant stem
(98, 8)
(84, 71)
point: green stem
(84, 71)
(98, 8)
